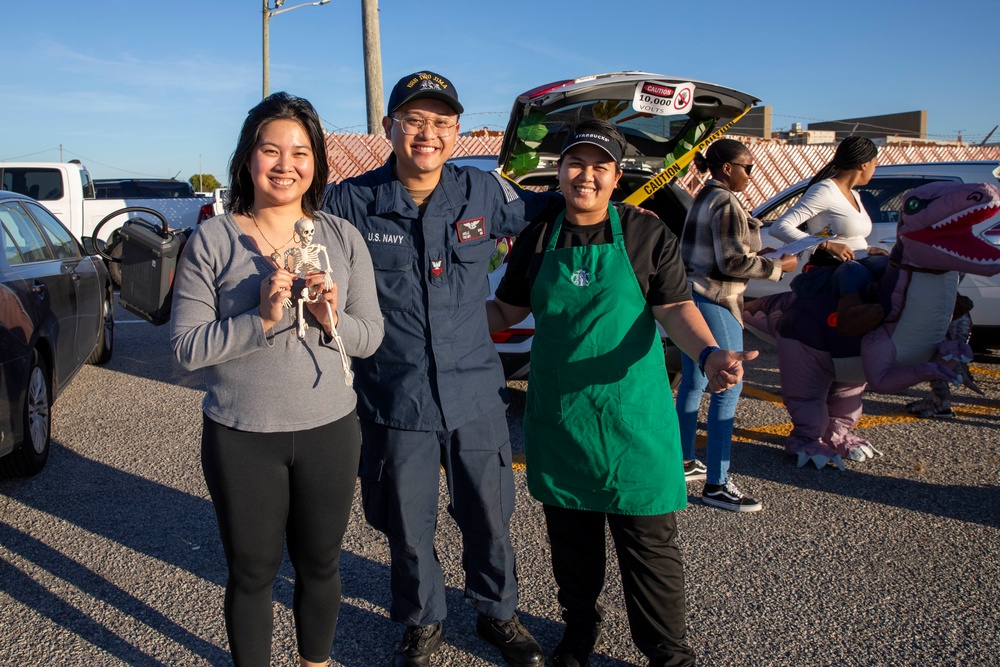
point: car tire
(33, 451)
(106, 338)
(115, 268)
(672, 358)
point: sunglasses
(746, 167)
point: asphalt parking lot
(111, 557)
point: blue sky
(150, 88)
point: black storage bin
(148, 264)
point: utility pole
(373, 66)
(265, 32)
(266, 48)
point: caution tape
(665, 176)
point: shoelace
(511, 629)
(418, 636)
(731, 489)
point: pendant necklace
(275, 256)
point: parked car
(642, 105)
(56, 313)
(882, 197)
(219, 205)
(142, 188)
(67, 190)
(484, 162)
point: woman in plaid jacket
(721, 248)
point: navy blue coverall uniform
(434, 394)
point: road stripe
(754, 392)
(985, 371)
(776, 433)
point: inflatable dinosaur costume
(945, 229)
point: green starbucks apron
(600, 427)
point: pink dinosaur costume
(945, 229)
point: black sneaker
(694, 471)
(516, 644)
(728, 497)
(418, 645)
(578, 642)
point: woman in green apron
(600, 430)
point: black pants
(651, 569)
(266, 486)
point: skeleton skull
(305, 229)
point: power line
(870, 126)
(18, 157)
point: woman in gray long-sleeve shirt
(280, 440)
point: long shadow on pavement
(180, 530)
(973, 504)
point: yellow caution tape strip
(665, 176)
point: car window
(62, 242)
(37, 183)
(24, 234)
(779, 209)
(882, 197)
(143, 189)
(13, 255)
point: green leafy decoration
(503, 247)
(523, 163)
(530, 132)
(689, 141)
(608, 109)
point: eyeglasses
(746, 167)
(443, 127)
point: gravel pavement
(111, 555)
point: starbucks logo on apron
(580, 277)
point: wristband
(703, 357)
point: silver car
(882, 197)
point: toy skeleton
(308, 258)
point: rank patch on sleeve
(470, 230)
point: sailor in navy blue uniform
(434, 394)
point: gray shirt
(276, 381)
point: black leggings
(266, 486)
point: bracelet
(703, 357)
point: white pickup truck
(66, 189)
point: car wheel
(672, 357)
(33, 452)
(115, 268)
(106, 338)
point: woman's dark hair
(719, 153)
(279, 106)
(851, 154)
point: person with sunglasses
(721, 249)
(434, 394)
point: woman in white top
(831, 203)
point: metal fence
(353, 154)
(776, 165)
